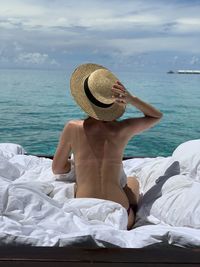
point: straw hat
(90, 86)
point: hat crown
(91, 87)
(100, 83)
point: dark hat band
(92, 98)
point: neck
(93, 120)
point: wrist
(131, 98)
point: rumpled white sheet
(36, 209)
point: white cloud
(194, 60)
(114, 27)
(99, 15)
(53, 62)
(35, 59)
(17, 47)
(175, 60)
(141, 45)
(20, 9)
(187, 25)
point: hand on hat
(120, 93)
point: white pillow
(178, 205)
(149, 171)
(188, 154)
(8, 150)
(170, 200)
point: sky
(122, 35)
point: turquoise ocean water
(35, 105)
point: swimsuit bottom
(134, 207)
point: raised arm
(61, 164)
(133, 126)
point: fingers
(118, 90)
(121, 101)
(119, 93)
(119, 85)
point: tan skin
(98, 148)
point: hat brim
(77, 90)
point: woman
(98, 142)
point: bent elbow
(160, 115)
(157, 116)
(61, 170)
(55, 168)
(55, 171)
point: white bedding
(38, 208)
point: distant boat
(188, 71)
(184, 72)
(170, 72)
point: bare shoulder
(69, 126)
(72, 123)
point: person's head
(91, 86)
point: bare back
(98, 152)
